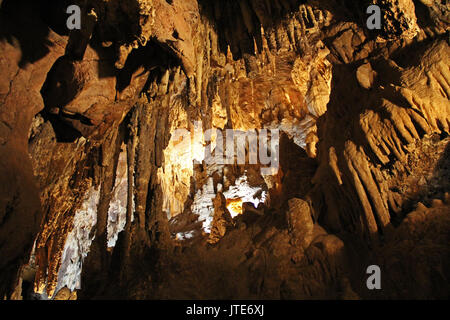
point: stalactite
(357, 109)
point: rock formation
(108, 190)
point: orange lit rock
(234, 206)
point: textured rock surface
(222, 219)
(300, 223)
(95, 175)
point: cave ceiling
(108, 189)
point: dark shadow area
(57, 91)
(298, 170)
(54, 14)
(20, 21)
(153, 57)
(423, 15)
(64, 132)
(410, 56)
(60, 88)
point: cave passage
(245, 149)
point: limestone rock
(300, 223)
(222, 219)
(65, 294)
(366, 76)
(363, 123)
(399, 18)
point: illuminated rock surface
(101, 199)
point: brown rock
(365, 76)
(300, 223)
(221, 221)
(362, 158)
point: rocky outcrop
(375, 145)
(222, 219)
(26, 61)
(300, 223)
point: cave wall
(357, 108)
